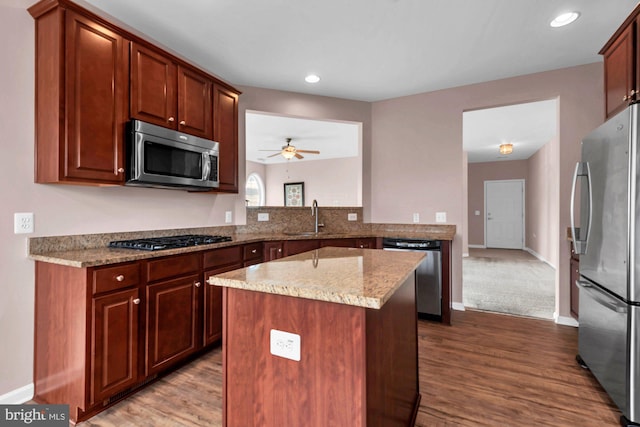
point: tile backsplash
(299, 219)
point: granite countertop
(92, 250)
(359, 277)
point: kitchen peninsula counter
(91, 250)
(353, 311)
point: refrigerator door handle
(580, 245)
(601, 297)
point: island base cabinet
(358, 366)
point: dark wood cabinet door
(575, 291)
(96, 85)
(213, 305)
(225, 131)
(172, 322)
(619, 73)
(273, 250)
(153, 87)
(194, 103)
(340, 243)
(114, 361)
(292, 247)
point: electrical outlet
(263, 216)
(477, 213)
(285, 344)
(416, 217)
(228, 217)
(352, 217)
(23, 222)
(441, 217)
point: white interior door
(504, 219)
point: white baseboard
(17, 396)
(540, 257)
(477, 246)
(564, 320)
(457, 306)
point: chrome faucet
(314, 212)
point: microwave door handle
(206, 166)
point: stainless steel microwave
(165, 158)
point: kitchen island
(326, 337)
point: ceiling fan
(289, 151)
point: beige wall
(542, 190)
(417, 153)
(478, 173)
(413, 162)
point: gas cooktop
(169, 242)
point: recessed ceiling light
(312, 78)
(564, 19)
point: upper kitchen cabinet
(622, 66)
(225, 131)
(82, 69)
(169, 94)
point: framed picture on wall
(294, 194)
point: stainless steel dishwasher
(428, 273)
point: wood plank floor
(485, 370)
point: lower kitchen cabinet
(172, 322)
(114, 353)
(292, 247)
(215, 262)
(273, 250)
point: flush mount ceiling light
(312, 78)
(564, 19)
(506, 148)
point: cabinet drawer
(173, 266)
(115, 277)
(252, 251)
(225, 256)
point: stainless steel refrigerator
(607, 184)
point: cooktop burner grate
(169, 242)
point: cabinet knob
(279, 250)
(120, 278)
(136, 301)
(197, 284)
(120, 170)
(171, 119)
(254, 251)
(625, 98)
(182, 123)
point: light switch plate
(263, 216)
(352, 217)
(441, 217)
(285, 344)
(477, 213)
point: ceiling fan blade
(298, 156)
(273, 155)
(308, 151)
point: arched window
(254, 190)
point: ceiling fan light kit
(289, 151)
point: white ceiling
(266, 131)
(372, 49)
(527, 126)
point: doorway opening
(509, 230)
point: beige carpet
(508, 281)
